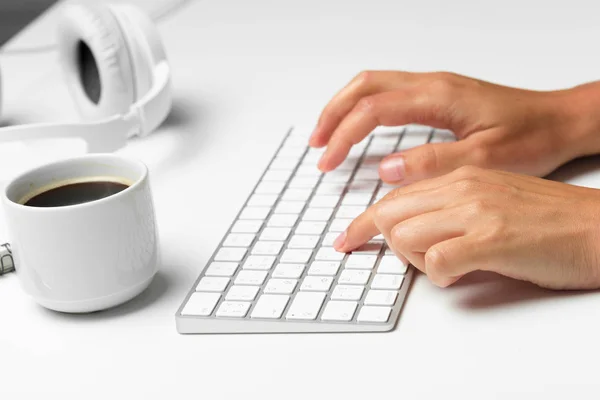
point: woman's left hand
(471, 219)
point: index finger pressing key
(359, 232)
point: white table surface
(243, 72)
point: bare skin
(480, 202)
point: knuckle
(379, 212)
(364, 77)
(435, 264)
(467, 172)
(466, 186)
(401, 237)
(367, 105)
(481, 155)
(441, 88)
(479, 207)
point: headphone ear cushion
(96, 63)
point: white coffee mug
(90, 256)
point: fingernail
(392, 169)
(340, 241)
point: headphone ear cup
(95, 60)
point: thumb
(428, 161)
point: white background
(243, 72)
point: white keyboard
(275, 269)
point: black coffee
(75, 193)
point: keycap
(255, 213)
(293, 271)
(303, 242)
(413, 139)
(326, 268)
(262, 263)
(242, 293)
(347, 292)
(218, 268)
(267, 248)
(277, 234)
(329, 238)
(308, 170)
(329, 254)
(349, 211)
(246, 226)
(230, 254)
(306, 305)
(330, 188)
(201, 304)
(310, 227)
(371, 247)
(339, 224)
(212, 284)
(386, 281)
(316, 283)
(339, 310)
(362, 186)
(282, 220)
(234, 309)
(348, 164)
(286, 163)
(266, 200)
(367, 174)
(391, 265)
(277, 175)
(289, 207)
(269, 188)
(296, 194)
(337, 176)
(248, 277)
(239, 240)
(280, 286)
(354, 277)
(374, 314)
(381, 297)
(356, 199)
(270, 306)
(324, 201)
(360, 261)
(304, 182)
(317, 214)
(296, 256)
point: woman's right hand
(498, 127)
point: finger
(395, 108)
(430, 160)
(448, 261)
(364, 84)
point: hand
(523, 227)
(499, 127)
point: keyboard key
(267, 248)
(277, 175)
(330, 188)
(324, 201)
(317, 214)
(289, 207)
(329, 238)
(247, 277)
(329, 254)
(360, 261)
(296, 194)
(289, 271)
(230, 254)
(234, 309)
(306, 305)
(270, 306)
(354, 277)
(238, 240)
(337, 176)
(242, 293)
(261, 263)
(374, 314)
(246, 226)
(264, 200)
(413, 139)
(367, 174)
(326, 268)
(310, 227)
(279, 234)
(296, 256)
(281, 286)
(349, 211)
(356, 199)
(339, 310)
(371, 247)
(221, 269)
(362, 187)
(308, 170)
(269, 188)
(391, 265)
(348, 164)
(212, 284)
(347, 292)
(303, 242)
(316, 283)
(201, 303)
(381, 297)
(340, 224)
(300, 182)
(385, 281)
(282, 220)
(285, 163)
(255, 213)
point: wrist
(580, 109)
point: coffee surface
(75, 193)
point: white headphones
(116, 70)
